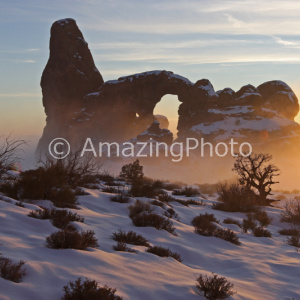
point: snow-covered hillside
(260, 268)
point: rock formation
(163, 121)
(79, 104)
(69, 75)
(157, 134)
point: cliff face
(70, 74)
(79, 104)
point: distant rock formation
(163, 121)
(155, 133)
(79, 104)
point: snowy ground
(261, 268)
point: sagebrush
(88, 290)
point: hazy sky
(231, 43)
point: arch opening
(168, 107)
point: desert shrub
(164, 252)
(74, 170)
(207, 229)
(41, 184)
(10, 148)
(55, 179)
(144, 189)
(139, 207)
(249, 223)
(42, 214)
(294, 241)
(120, 198)
(214, 287)
(290, 231)
(63, 198)
(9, 189)
(80, 192)
(199, 220)
(123, 248)
(88, 290)
(10, 270)
(207, 188)
(65, 239)
(59, 218)
(261, 232)
(166, 198)
(157, 203)
(91, 186)
(132, 172)
(235, 198)
(262, 217)
(204, 224)
(291, 212)
(158, 184)
(110, 190)
(105, 176)
(189, 202)
(280, 197)
(130, 237)
(153, 220)
(113, 183)
(171, 186)
(20, 204)
(232, 221)
(227, 235)
(186, 191)
(170, 213)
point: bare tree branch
(10, 149)
(255, 171)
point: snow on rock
(206, 86)
(63, 22)
(232, 110)
(279, 96)
(248, 95)
(169, 74)
(228, 91)
(234, 124)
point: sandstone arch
(79, 104)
